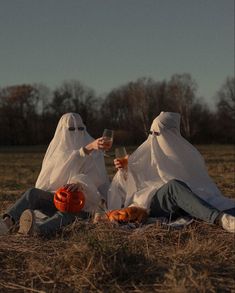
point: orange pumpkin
(130, 214)
(69, 202)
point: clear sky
(106, 43)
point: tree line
(29, 113)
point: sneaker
(228, 223)
(99, 217)
(3, 228)
(27, 222)
(100, 213)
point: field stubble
(103, 258)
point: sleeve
(92, 195)
(82, 152)
(104, 188)
(117, 192)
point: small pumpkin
(130, 214)
(68, 201)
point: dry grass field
(100, 258)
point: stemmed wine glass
(122, 156)
(108, 138)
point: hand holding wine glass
(121, 161)
(121, 157)
(108, 139)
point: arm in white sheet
(98, 170)
(92, 195)
(97, 144)
(117, 192)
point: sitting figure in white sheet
(167, 176)
(73, 160)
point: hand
(118, 164)
(100, 217)
(73, 187)
(97, 144)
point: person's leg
(176, 195)
(230, 212)
(33, 198)
(53, 224)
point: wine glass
(122, 156)
(108, 138)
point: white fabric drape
(63, 162)
(165, 155)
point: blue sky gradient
(106, 43)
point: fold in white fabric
(165, 155)
(65, 161)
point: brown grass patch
(102, 258)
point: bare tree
(133, 106)
(226, 98)
(226, 110)
(181, 95)
(18, 105)
(72, 96)
(29, 113)
(202, 123)
(44, 98)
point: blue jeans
(37, 199)
(176, 198)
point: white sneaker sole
(228, 223)
(26, 223)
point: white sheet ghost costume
(165, 155)
(66, 162)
